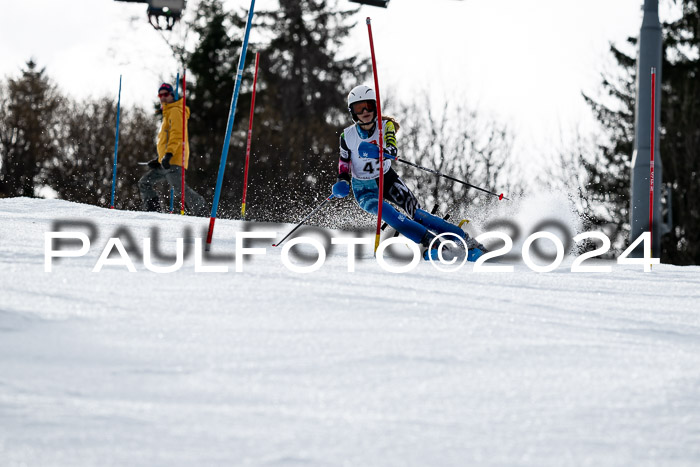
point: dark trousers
(418, 221)
(173, 176)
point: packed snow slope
(270, 367)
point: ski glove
(154, 164)
(371, 151)
(166, 160)
(341, 189)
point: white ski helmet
(361, 93)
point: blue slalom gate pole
(177, 85)
(172, 190)
(116, 145)
(229, 128)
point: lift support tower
(650, 56)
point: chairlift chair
(169, 11)
(162, 14)
(380, 3)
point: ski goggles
(163, 94)
(359, 107)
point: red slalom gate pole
(184, 133)
(381, 138)
(250, 136)
(651, 163)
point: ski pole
(304, 220)
(500, 196)
(116, 145)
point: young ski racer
(359, 166)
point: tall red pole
(380, 126)
(250, 136)
(184, 133)
(651, 163)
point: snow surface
(274, 368)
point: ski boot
(475, 249)
(449, 251)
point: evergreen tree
(303, 84)
(28, 131)
(608, 188)
(606, 197)
(680, 137)
(211, 74)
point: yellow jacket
(170, 135)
